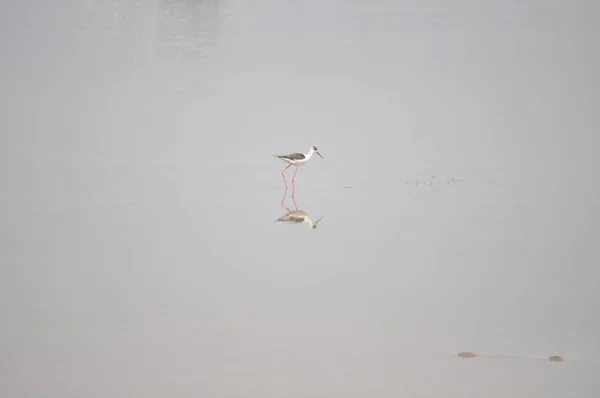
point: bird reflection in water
(297, 216)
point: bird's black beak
(320, 155)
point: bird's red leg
(283, 175)
(286, 186)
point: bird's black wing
(294, 156)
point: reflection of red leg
(283, 199)
(283, 205)
(294, 183)
(295, 205)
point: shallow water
(459, 199)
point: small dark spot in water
(467, 354)
(555, 358)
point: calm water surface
(139, 253)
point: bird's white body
(296, 162)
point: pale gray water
(139, 256)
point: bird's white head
(314, 149)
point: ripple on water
(467, 354)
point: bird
(297, 159)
